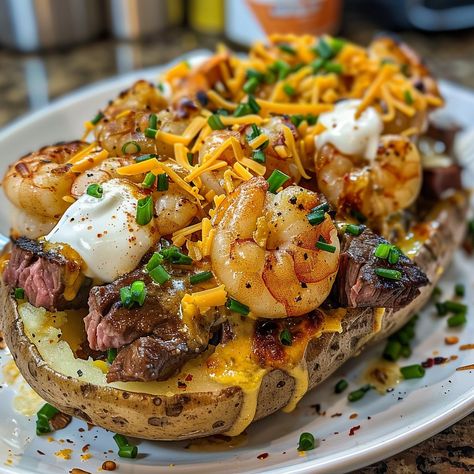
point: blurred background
(50, 47)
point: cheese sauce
(103, 231)
(350, 135)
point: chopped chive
(258, 156)
(382, 250)
(455, 307)
(111, 355)
(405, 352)
(19, 293)
(254, 133)
(392, 350)
(253, 104)
(324, 49)
(190, 157)
(149, 180)
(241, 110)
(312, 119)
(286, 48)
(335, 68)
(276, 180)
(144, 211)
(153, 122)
(126, 450)
(173, 255)
(341, 386)
(353, 229)
(138, 292)
(253, 73)
(286, 338)
(155, 260)
(282, 69)
(160, 87)
(150, 132)
(47, 412)
(318, 65)
(215, 122)
(129, 148)
(359, 393)
(97, 118)
(388, 273)
(415, 371)
(460, 290)
(337, 44)
(95, 190)
(126, 297)
(289, 90)
(251, 85)
(457, 320)
(326, 247)
(163, 183)
(159, 274)
(393, 255)
(296, 120)
(324, 207)
(146, 157)
(237, 307)
(42, 427)
(316, 217)
(306, 442)
(200, 277)
(441, 309)
(408, 97)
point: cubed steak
(43, 275)
(357, 283)
(153, 341)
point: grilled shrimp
(264, 250)
(376, 188)
(37, 182)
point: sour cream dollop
(103, 231)
(350, 135)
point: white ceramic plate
(388, 424)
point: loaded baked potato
(228, 239)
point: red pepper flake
(262, 456)
(450, 340)
(453, 357)
(81, 430)
(85, 448)
(335, 415)
(353, 430)
(428, 363)
(354, 415)
(439, 360)
(181, 385)
(90, 426)
(466, 347)
(189, 377)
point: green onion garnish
(242, 109)
(151, 132)
(341, 386)
(97, 118)
(317, 65)
(359, 393)
(393, 255)
(215, 122)
(276, 180)
(316, 217)
(258, 156)
(200, 277)
(95, 190)
(155, 260)
(441, 309)
(289, 90)
(353, 229)
(254, 133)
(382, 250)
(19, 293)
(163, 183)
(173, 255)
(286, 338)
(324, 207)
(149, 180)
(457, 320)
(455, 307)
(111, 355)
(144, 211)
(159, 274)
(437, 292)
(306, 442)
(237, 307)
(139, 159)
(406, 351)
(324, 246)
(160, 87)
(392, 350)
(131, 147)
(253, 73)
(415, 371)
(44, 415)
(460, 290)
(253, 104)
(408, 97)
(153, 122)
(296, 119)
(251, 85)
(388, 273)
(126, 450)
(126, 297)
(335, 68)
(286, 48)
(190, 157)
(138, 292)
(282, 69)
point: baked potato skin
(193, 415)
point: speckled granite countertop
(29, 82)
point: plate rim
(354, 458)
